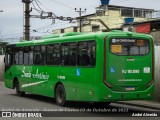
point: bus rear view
(129, 67)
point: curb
(139, 105)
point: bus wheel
(60, 95)
(19, 93)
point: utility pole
(26, 19)
(80, 17)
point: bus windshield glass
(129, 47)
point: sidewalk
(142, 103)
(1, 83)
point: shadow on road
(96, 110)
(71, 104)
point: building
(2, 47)
(151, 27)
(113, 16)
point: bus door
(85, 71)
(128, 64)
(8, 65)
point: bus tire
(19, 93)
(60, 95)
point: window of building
(95, 28)
(127, 12)
(138, 13)
(62, 30)
(75, 29)
(86, 53)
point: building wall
(1, 67)
(56, 31)
(157, 73)
(156, 36)
(66, 30)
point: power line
(12, 34)
(63, 4)
(43, 5)
(38, 5)
(39, 11)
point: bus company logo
(6, 114)
(38, 75)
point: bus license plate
(130, 88)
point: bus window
(129, 46)
(72, 54)
(56, 54)
(49, 59)
(31, 56)
(64, 54)
(68, 53)
(86, 53)
(20, 56)
(43, 55)
(26, 55)
(92, 52)
(9, 56)
(37, 55)
(16, 56)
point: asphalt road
(30, 102)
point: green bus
(92, 67)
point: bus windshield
(129, 47)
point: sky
(11, 19)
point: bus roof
(74, 35)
